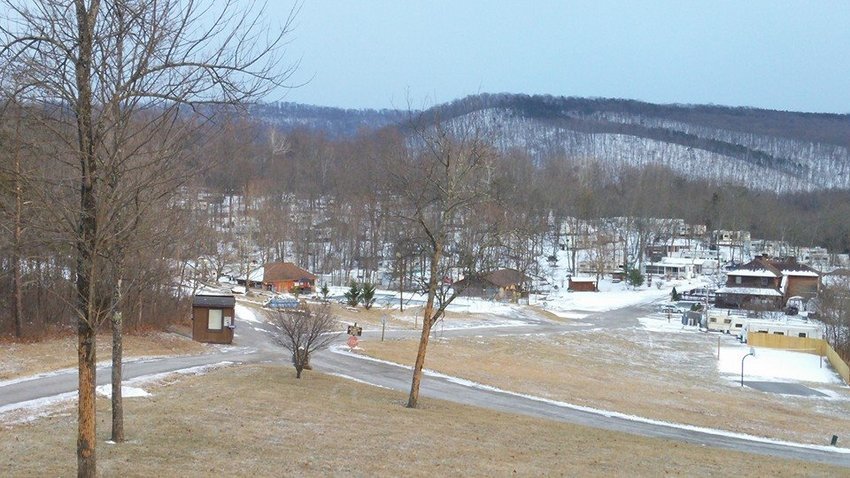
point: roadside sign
(355, 330)
(352, 341)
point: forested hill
(335, 122)
(764, 149)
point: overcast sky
(790, 55)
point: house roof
(505, 277)
(285, 271)
(254, 275)
(758, 267)
(790, 266)
(215, 301)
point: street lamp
(753, 353)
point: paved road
(784, 388)
(257, 347)
(398, 378)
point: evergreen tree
(325, 291)
(634, 277)
(675, 296)
(367, 295)
(352, 297)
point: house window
(737, 279)
(779, 333)
(727, 321)
(764, 281)
(802, 334)
(215, 319)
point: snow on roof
(750, 291)
(790, 266)
(256, 275)
(583, 279)
(783, 323)
(800, 273)
(752, 273)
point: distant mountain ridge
(758, 148)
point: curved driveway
(397, 377)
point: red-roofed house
(285, 276)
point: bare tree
(305, 330)
(107, 77)
(834, 311)
(442, 177)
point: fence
(839, 365)
(801, 344)
(787, 342)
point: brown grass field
(660, 376)
(19, 360)
(258, 420)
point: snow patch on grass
(126, 392)
(777, 365)
(247, 314)
(349, 377)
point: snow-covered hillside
(762, 149)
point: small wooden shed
(582, 284)
(213, 318)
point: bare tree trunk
(86, 431)
(17, 276)
(413, 399)
(117, 367)
(86, 241)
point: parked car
(239, 289)
(669, 309)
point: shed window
(737, 279)
(215, 322)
